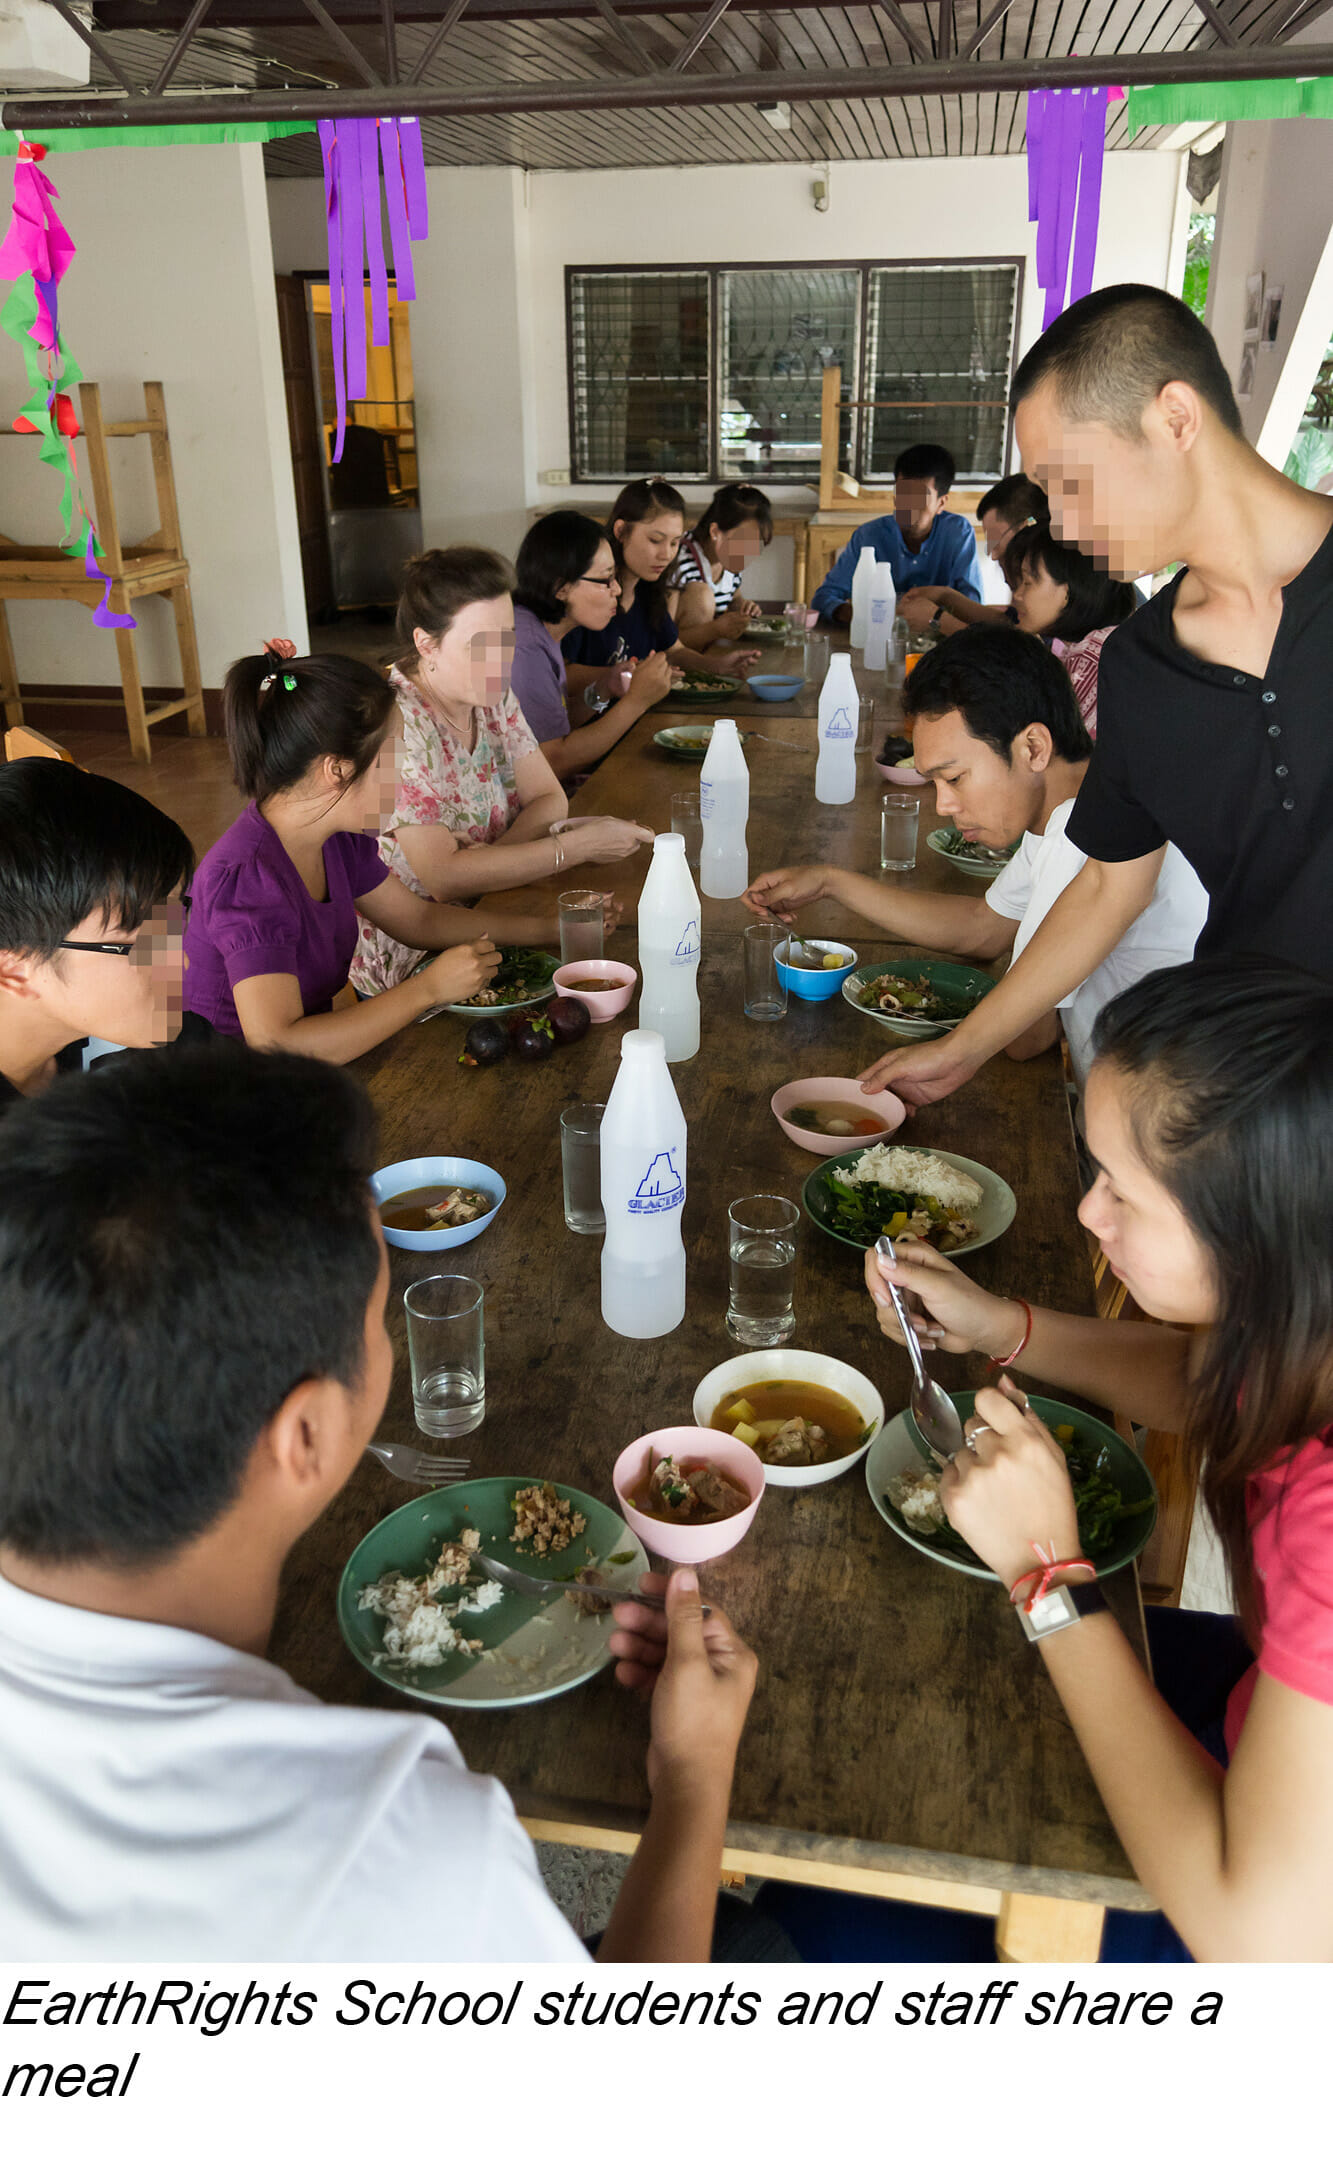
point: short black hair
(185, 1236)
(1111, 354)
(556, 551)
(1095, 598)
(1000, 682)
(71, 842)
(926, 463)
(1015, 499)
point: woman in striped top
(714, 555)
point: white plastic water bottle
(724, 807)
(883, 608)
(835, 771)
(643, 1193)
(861, 580)
(669, 946)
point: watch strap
(1060, 1607)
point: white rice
(916, 1171)
(419, 1631)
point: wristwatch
(1061, 1607)
(937, 615)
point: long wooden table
(905, 1739)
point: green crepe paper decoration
(17, 319)
(105, 139)
(1160, 105)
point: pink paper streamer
(36, 242)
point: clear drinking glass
(762, 1251)
(765, 997)
(798, 614)
(580, 926)
(446, 1341)
(818, 650)
(865, 725)
(581, 1164)
(899, 814)
(687, 822)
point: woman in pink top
(1209, 1111)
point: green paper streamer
(1162, 105)
(17, 319)
(105, 139)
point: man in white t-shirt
(193, 1284)
(997, 731)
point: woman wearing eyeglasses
(92, 913)
(566, 579)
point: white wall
(1275, 216)
(173, 280)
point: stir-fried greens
(864, 1212)
(1100, 1504)
(909, 997)
(959, 848)
(521, 977)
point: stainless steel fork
(420, 1468)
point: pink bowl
(900, 774)
(689, 1446)
(884, 1106)
(602, 1003)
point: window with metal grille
(939, 355)
(639, 374)
(715, 372)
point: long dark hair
(1229, 1066)
(556, 552)
(1094, 599)
(636, 503)
(282, 717)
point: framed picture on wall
(1245, 382)
(1272, 317)
(1254, 305)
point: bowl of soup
(813, 967)
(827, 1115)
(806, 1417)
(689, 1493)
(431, 1203)
(604, 985)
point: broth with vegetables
(843, 1120)
(791, 1423)
(431, 1208)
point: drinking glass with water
(763, 1269)
(446, 1342)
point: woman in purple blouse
(273, 921)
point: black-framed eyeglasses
(177, 913)
(600, 581)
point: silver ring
(984, 1429)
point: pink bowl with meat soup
(690, 1447)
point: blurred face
(471, 661)
(734, 549)
(1127, 503)
(1138, 1224)
(987, 799)
(367, 805)
(916, 503)
(998, 533)
(649, 547)
(591, 601)
(1038, 600)
(134, 1000)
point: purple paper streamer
(1048, 191)
(103, 616)
(1089, 195)
(1071, 140)
(414, 178)
(1036, 126)
(372, 220)
(328, 144)
(395, 199)
(354, 284)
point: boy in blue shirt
(923, 544)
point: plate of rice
(416, 1614)
(909, 1193)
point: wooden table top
(901, 1724)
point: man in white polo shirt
(193, 1283)
(998, 733)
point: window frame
(714, 270)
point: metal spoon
(934, 1413)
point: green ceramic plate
(961, 988)
(995, 1211)
(688, 743)
(536, 995)
(971, 864)
(898, 1449)
(539, 1648)
(703, 691)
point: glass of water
(818, 650)
(581, 1163)
(899, 814)
(765, 997)
(688, 823)
(446, 1341)
(580, 926)
(763, 1269)
(865, 725)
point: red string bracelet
(1044, 1573)
(1021, 1345)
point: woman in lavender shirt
(273, 923)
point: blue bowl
(438, 1170)
(814, 983)
(776, 686)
